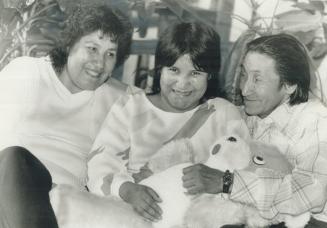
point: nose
(98, 62)
(247, 87)
(183, 81)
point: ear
(215, 149)
(289, 89)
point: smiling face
(260, 85)
(182, 86)
(90, 62)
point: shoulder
(26, 65)
(309, 118)
(120, 88)
(220, 102)
(222, 105)
(21, 63)
(312, 109)
(131, 96)
(25, 69)
(114, 87)
(25, 60)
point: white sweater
(39, 113)
(135, 129)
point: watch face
(227, 181)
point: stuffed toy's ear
(215, 149)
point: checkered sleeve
(302, 190)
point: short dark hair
(201, 42)
(88, 18)
(291, 61)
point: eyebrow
(95, 43)
(243, 68)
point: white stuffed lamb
(207, 210)
(82, 209)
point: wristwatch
(227, 181)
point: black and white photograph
(163, 113)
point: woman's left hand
(200, 178)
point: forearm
(106, 175)
(271, 193)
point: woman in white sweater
(51, 109)
(187, 63)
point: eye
(196, 74)
(232, 139)
(173, 69)
(243, 74)
(258, 160)
(92, 49)
(256, 78)
(111, 54)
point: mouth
(248, 99)
(182, 93)
(93, 73)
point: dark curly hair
(88, 18)
(201, 42)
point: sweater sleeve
(110, 152)
(18, 85)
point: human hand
(200, 178)
(143, 199)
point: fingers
(195, 190)
(188, 169)
(152, 202)
(192, 183)
(192, 179)
(147, 205)
(152, 205)
(193, 186)
(146, 214)
(154, 195)
(148, 209)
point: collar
(280, 118)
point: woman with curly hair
(51, 109)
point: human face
(182, 86)
(90, 62)
(260, 85)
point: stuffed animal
(74, 208)
(207, 210)
(81, 209)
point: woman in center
(184, 103)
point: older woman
(51, 109)
(275, 84)
(187, 61)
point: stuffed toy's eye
(259, 160)
(232, 139)
(216, 149)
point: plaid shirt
(300, 132)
